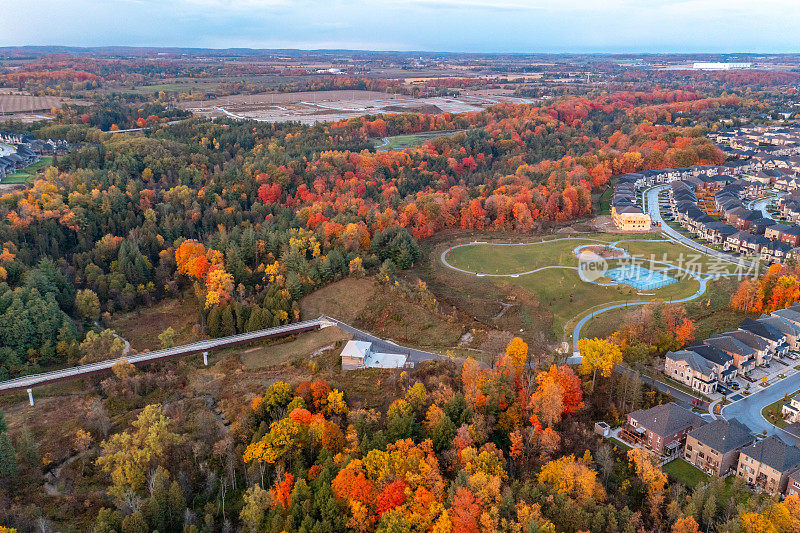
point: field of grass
(685, 473)
(561, 291)
(343, 300)
(494, 258)
(27, 173)
(711, 313)
(291, 348)
(772, 412)
(567, 296)
(401, 142)
(142, 327)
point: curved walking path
(575, 358)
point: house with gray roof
(762, 347)
(766, 465)
(775, 339)
(790, 330)
(744, 356)
(714, 448)
(693, 370)
(662, 428)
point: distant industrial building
(702, 65)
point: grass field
(141, 328)
(287, 350)
(561, 292)
(344, 300)
(772, 412)
(401, 142)
(711, 313)
(685, 473)
(27, 173)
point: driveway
(748, 409)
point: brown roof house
(714, 448)
(766, 465)
(662, 428)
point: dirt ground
(316, 106)
(310, 344)
(25, 107)
(142, 327)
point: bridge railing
(186, 349)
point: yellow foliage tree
(651, 475)
(572, 477)
(598, 354)
(336, 404)
(128, 456)
(517, 351)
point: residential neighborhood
(715, 203)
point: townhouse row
(736, 228)
(720, 448)
(718, 360)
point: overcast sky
(436, 25)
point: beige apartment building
(714, 448)
(766, 465)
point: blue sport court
(639, 277)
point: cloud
(435, 25)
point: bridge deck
(33, 380)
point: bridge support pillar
(205, 358)
(30, 396)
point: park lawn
(679, 255)
(566, 296)
(512, 259)
(498, 258)
(401, 142)
(27, 173)
(774, 409)
(711, 314)
(685, 473)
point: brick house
(766, 465)
(662, 428)
(714, 448)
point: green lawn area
(772, 412)
(678, 254)
(685, 473)
(711, 313)
(401, 142)
(561, 290)
(25, 175)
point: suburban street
(748, 409)
(762, 204)
(654, 210)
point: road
(654, 210)
(762, 204)
(748, 409)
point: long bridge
(55, 376)
(34, 380)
